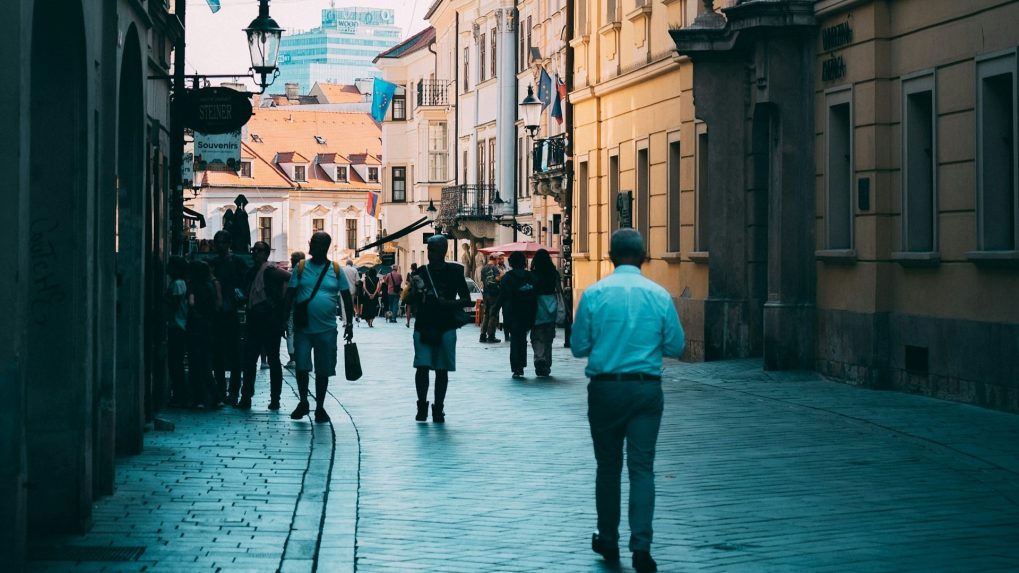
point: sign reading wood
(216, 110)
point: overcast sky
(216, 43)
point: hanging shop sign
(216, 110)
(187, 169)
(218, 151)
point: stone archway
(58, 357)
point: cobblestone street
(756, 471)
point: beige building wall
(633, 93)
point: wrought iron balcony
(432, 93)
(549, 155)
(466, 202)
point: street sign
(216, 110)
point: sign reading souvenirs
(218, 151)
(187, 169)
(216, 110)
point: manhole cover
(86, 553)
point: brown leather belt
(626, 377)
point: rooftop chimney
(292, 91)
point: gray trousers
(542, 336)
(630, 411)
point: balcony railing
(549, 154)
(466, 202)
(432, 93)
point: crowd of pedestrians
(223, 315)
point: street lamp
(499, 207)
(530, 108)
(264, 44)
(431, 211)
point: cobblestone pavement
(756, 471)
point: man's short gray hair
(626, 243)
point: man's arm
(672, 334)
(580, 338)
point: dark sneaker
(244, 404)
(274, 405)
(643, 562)
(300, 411)
(610, 551)
(320, 416)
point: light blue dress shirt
(625, 323)
(322, 309)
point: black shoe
(244, 403)
(609, 551)
(494, 340)
(643, 562)
(231, 400)
(300, 411)
(518, 374)
(483, 339)
(438, 416)
(422, 415)
(274, 404)
(320, 416)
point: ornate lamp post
(530, 108)
(264, 45)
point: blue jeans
(630, 411)
(394, 306)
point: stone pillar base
(789, 336)
(726, 329)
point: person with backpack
(490, 276)
(314, 288)
(519, 300)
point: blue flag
(213, 5)
(545, 89)
(382, 96)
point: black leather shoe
(643, 562)
(495, 340)
(274, 404)
(321, 417)
(300, 411)
(244, 403)
(609, 551)
(438, 416)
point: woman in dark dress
(370, 290)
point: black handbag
(460, 316)
(301, 308)
(351, 361)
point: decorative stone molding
(266, 209)
(317, 210)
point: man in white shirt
(625, 323)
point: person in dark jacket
(229, 270)
(518, 299)
(549, 291)
(203, 306)
(266, 287)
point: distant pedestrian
(408, 304)
(317, 283)
(438, 289)
(394, 283)
(295, 258)
(266, 287)
(549, 292)
(176, 329)
(371, 289)
(229, 269)
(625, 323)
(204, 302)
(519, 301)
(353, 282)
(490, 276)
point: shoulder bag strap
(319, 283)
(430, 280)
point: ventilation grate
(85, 553)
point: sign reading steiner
(218, 152)
(216, 110)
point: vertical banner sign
(187, 170)
(218, 152)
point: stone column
(506, 142)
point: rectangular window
(299, 173)
(495, 59)
(481, 58)
(530, 44)
(581, 17)
(482, 167)
(521, 168)
(373, 174)
(341, 173)
(613, 191)
(245, 169)
(265, 230)
(318, 225)
(467, 70)
(703, 193)
(672, 225)
(521, 49)
(463, 166)
(612, 13)
(919, 213)
(643, 198)
(997, 159)
(437, 151)
(400, 104)
(491, 161)
(399, 184)
(351, 233)
(839, 171)
(583, 208)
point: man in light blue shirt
(625, 323)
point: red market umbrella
(526, 247)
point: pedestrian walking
(394, 283)
(438, 289)
(266, 287)
(519, 301)
(229, 270)
(490, 276)
(549, 292)
(371, 289)
(625, 323)
(295, 258)
(176, 329)
(353, 281)
(314, 288)
(408, 304)
(204, 300)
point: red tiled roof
(409, 46)
(339, 93)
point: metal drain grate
(86, 553)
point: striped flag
(371, 204)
